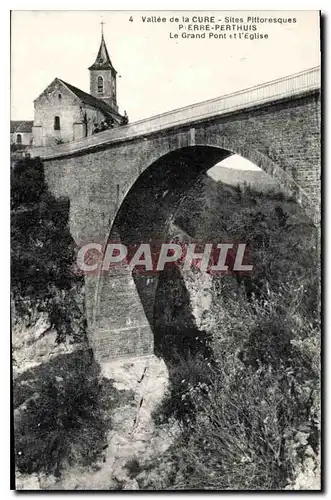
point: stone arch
(165, 179)
(223, 143)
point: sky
(155, 73)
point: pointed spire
(103, 60)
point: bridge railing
(282, 88)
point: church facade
(64, 113)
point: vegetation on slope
(250, 414)
(62, 414)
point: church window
(100, 85)
(57, 123)
(60, 97)
(18, 139)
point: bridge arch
(124, 304)
(214, 151)
(203, 157)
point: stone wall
(109, 87)
(59, 101)
(26, 138)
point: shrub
(67, 419)
(246, 432)
(249, 415)
(184, 375)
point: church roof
(14, 124)
(91, 100)
(103, 60)
(21, 126)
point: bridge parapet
(283, 88)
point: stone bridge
(128, 183)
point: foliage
(17, 147)
(248, 417)
(66, 419)
(42, 253)
(59, 140)
(248, 412)
(251, 413)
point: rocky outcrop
(37, 344)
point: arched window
(57, 123)
(18, 139)
(100, 85)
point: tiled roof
(21, 126)
(14, 124)
(25, 126)
(91, 100)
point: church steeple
(103, 76)
(103, 60)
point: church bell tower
(103, 76)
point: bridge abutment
(121, 321)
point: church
(64, 113)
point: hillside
(256, 179)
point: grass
(62, 407)
(246, 419)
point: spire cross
(102, 23)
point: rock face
(199, 286)
(308, 476)
(36, 345)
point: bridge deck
(284, 88)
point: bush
(184, 374)
(251, 414)
(66, 419)
(246, 434)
